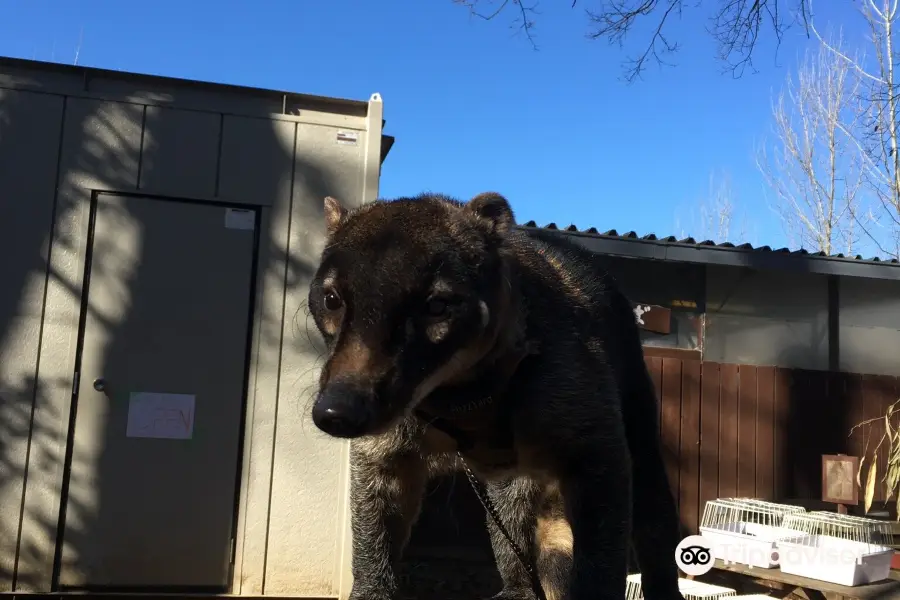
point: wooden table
(813, 589)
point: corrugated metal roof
(689, 241)
(708, 252)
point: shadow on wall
(24, 243)
(108, 147)
(815, 422)
(821, 409)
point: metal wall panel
(869, 326)
(306, 538)
(100, 149)
(50, 81)
(256, 168)
(657, 282)
(752, 321)
(30, 128)
(256, 163)
(194, 97)
(180, 152)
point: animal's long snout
(344, 409)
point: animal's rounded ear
(334, 214)
(493, 208)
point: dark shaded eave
(387, 142)
(763, 258)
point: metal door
(160, 394)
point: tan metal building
(156, 358)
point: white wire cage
(783, 508)
(690, 589)
(842, 549)
(633, 589)
(697, 590)
(746, 530)
(863, 529)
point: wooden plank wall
(727, 430)
(740, 430)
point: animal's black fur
(430, 303)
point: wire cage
(784, 508)
(874, 531)
(745, 530)
(841, 549)
(633, 587)
(690, 589)
(697, 590)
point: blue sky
(473, 106)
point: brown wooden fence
(740, 430)
(727, 430)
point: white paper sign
(168, 416)
(238, 218)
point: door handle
(100, 384)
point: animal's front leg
(385, 500)
(515, 501)
(597, 495)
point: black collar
(447, 419)
(490, 416)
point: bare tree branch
(618, 17)
(714, 217)
(717, 212)
(876, 136)
(814, 169)
(522, 22)
(736, 25)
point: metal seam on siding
(219, 155)
(140, 165)
(284, 292)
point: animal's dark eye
(332, 301)
(436, 307)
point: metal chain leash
(488, 505)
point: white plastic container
(835, 560)
(752, 544)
